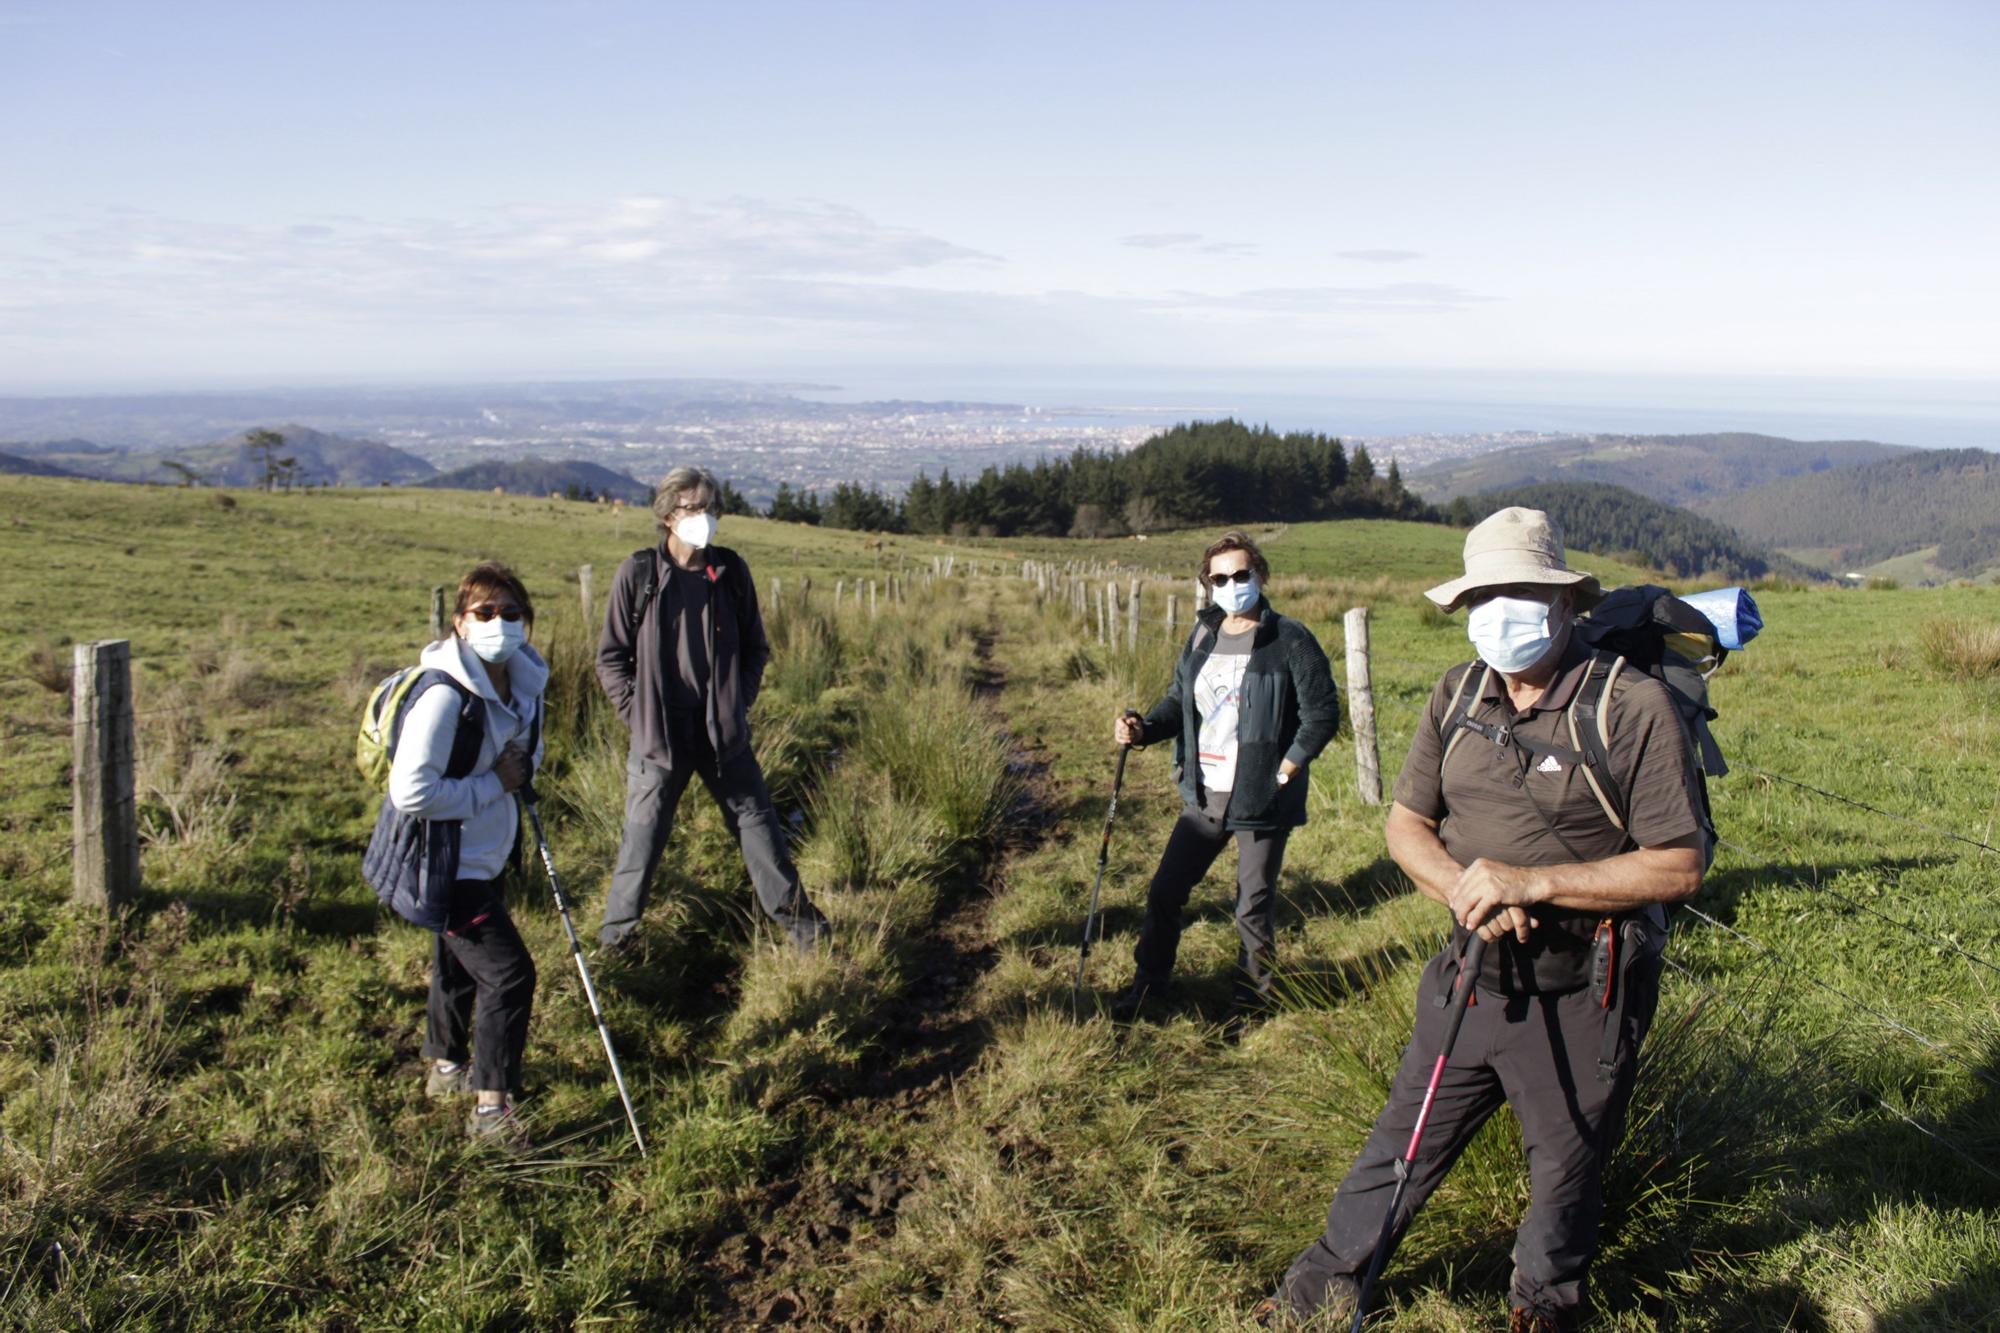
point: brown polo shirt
(1479, 801)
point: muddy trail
(810, 1221)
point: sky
(212, 195)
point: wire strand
(1816, 886)
(1933, 1135)
(1929, 1043)
(1875, 809)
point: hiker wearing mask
(482, 977)
(1251, 705)
(1498, 817)
(682, 656)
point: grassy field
(212, 1111)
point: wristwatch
(1283, 778)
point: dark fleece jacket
(633, 667)
(1290, 711)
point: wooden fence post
(438, 622)
(104, 840)
(583, 591)
(839, 587)
(777, 592)
(1132, 619)
(871, 599)
(1361, 708)
(1173, 616)
(1100, 614)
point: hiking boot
(1141, 995)
(499, 1125)
(1338, 1301)
(1524, 1319)
(446, 1079)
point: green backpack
(382, 722)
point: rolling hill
(1947, 499)
(538, 476)
(1601, 517)
(31, 467)
(323, 459)
(1677, 469)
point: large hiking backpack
(1642, 628)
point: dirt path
(810, 1221)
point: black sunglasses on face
(1243, 575)
(510, 614)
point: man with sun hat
(1498, 817)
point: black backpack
(735, 579)
(1642, 628)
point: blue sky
(212, 194)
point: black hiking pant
(652, 794)
(1192, 847)
(482, 982)
(1538, 1054)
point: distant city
(759, 436)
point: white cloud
(1191, 241)
(1382, 256)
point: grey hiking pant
(652, 794)
(1192, 847)
(1537, 1054)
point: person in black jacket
(682, 657)
(1252, 704)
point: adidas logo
(1548, 765)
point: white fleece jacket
(417, 784)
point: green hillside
(1611, 518)
(1944, 498)
(211, 1111)
(540, 477)
(1674, 469)
(31, 467)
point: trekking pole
(1468, 968)
(1103, 856)
(529, 800)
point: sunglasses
(510, 614)
(1243, 575)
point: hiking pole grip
(1468, 971)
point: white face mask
(1236, 598)
(1511, 633)
(496, 640)
(697, 530)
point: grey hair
(680, 480)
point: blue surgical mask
(1236, 598)
(496, 640)
(1511, 633)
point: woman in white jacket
(482, 977)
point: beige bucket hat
(1515, 546)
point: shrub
(1961, 648)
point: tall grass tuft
(1961, 648)
(940, 755)
(807, 653)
